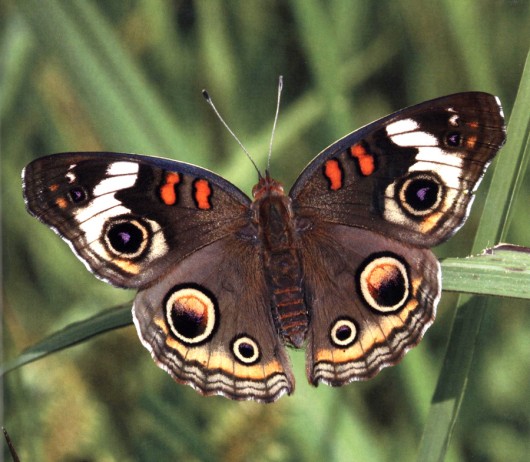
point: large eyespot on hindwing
(344, 332)
(127, 237)
(420, 193)
(191, 313)
(383, 281)
(245, 349)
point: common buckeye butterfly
(341, 264)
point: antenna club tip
(205, 95)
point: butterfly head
(267, 187)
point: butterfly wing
(183, 235)
(368, 207)
(371, 300)
(129, 217)
(411, 175)
(208, 323)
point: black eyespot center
(77, 194)
(343, 332)
(190, 324)
(422, 193)
(245, 350)
(125, 237)
(391, 289)
(453, 139)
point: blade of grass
(503, 271)
(73, 334)
(466, 325)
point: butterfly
(341, 264)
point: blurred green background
(127, 76)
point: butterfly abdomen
(281, 261)
(289, 310)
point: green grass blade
(502, 271)
(73, 334)
(466, 325)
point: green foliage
(126, 76)
(503, 270)
(465, 331)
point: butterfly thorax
(274, 218)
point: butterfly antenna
(280, 87)
(210, 102)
